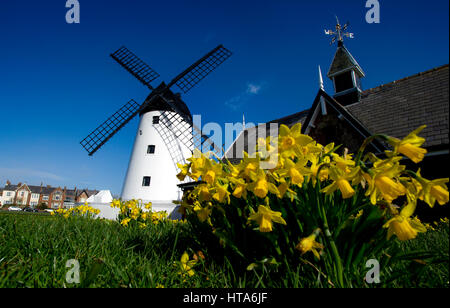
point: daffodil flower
(187, 265)
(265, 218)
(292, 140)
(261, 186)
(240, 187)
(403, 226)
(202, 192)
(383, 182)
(294, 171)
(184, 171)
(202, 212)
(309, 244)
(433, 191)
(341, 182)
(410, 145)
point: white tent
(102, 201)
(103, 196)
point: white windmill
(166, 134)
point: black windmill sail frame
(135, 66)
(112, 125)
(200, 69)
(145, 74)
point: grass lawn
(34, 250)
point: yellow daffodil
(187, 265)
(383, 183)
(221, 193)
(294, 171)
(315, 165)
(283, 188)
(184, 171)
(344, 163)
(309, 244)
(197, 163)
(125, 222)
(210, 171)
(265, 218)
(403, 226)
(433, 191)
(260, 186)
(292, 140)
(202, 212)
(410, 145)
(148, 206)
(341, 181)
(240, 187)
(203, 192)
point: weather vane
(339, 33)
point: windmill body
(166, 133)
(151, 174)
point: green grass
(34, 250)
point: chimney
(8, 182)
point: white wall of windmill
(159, 166)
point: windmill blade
(135, 66)
(110, 127)
(174, 121)
(174, 132)
(200, 69)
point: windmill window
(156, 120)
(151, 149)
(146, 181)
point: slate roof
(399, 107)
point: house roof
(399, 107)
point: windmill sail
(135, 66)
(200, 69)
(110, 127)
(170, 129)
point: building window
(344, 81)
(8, 194)
(156, 120)
(151, 149)
(45, 198)
(146, 181)
(22, 193)
(57, 197)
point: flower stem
(334, 250)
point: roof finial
(320, 79)
(339, 33)
(243, 121)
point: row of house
(26, 195)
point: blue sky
(58, 82)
